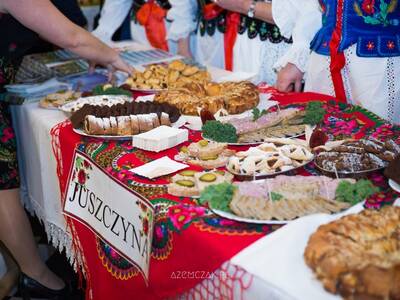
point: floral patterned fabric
(373, 25)
(14, 42)
(8, 155)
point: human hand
(289, 79)
(240, 6)
(116, 63)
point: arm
(182, 14)
(263, 10)
(301, 20)
(42, 17)
(113, 14)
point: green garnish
(354, 193)
(218, 196)
(314, 113)
(219, 132)
(258, 113)
(98, 90)
(276, 196)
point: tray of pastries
(58, 99)
(356, 157)
(208, 155)
(121, 121)
(234, 97)
(98, 100)
(269, 159)
(163, 76)
(358, 256)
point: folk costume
(150, 21)
(234, 41)
(355, 52)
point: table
(201, 242)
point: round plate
(256, 143)
(105, 137)
(147, 90)
(395, 186)
(345, 174)
(232, 144)
(95, 100)
(263, 176)
(234, 217)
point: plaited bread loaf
(235, 97)
(358, 256)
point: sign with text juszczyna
(116, 214)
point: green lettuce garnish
(314, 113)
(354, 193)
(98, 90)
(218, 196)
(219, 132)
(257, 113)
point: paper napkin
(159, 167)
(160, 138)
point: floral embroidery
(368, 6)
(383, 132)
(182, 215)
(81, 171)
(8, 155)
(370, 46)
(377, 15)
(390, 45)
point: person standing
(38, 18)
(150, 23)
(236, 35)
(355, 53)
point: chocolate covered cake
(126, 109)
(393, 170)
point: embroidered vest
(217, 20)
(373, 25)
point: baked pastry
(358, 155)
(269, 158)
(285, 198)
(234, 97)
(206, 154)
(392, 171)
(167, 114)
(122, 125)
(189, 183)
(58, 99)
(358, 256)
(163, 76)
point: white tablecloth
(40, 190)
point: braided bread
(358, 256)
(235, 97)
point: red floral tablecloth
(189, 242)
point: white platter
(395, 186)
(104, 137)
(95, 100)
(234, 217)
(265, 175)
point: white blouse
(112, 15)
(299, 19)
